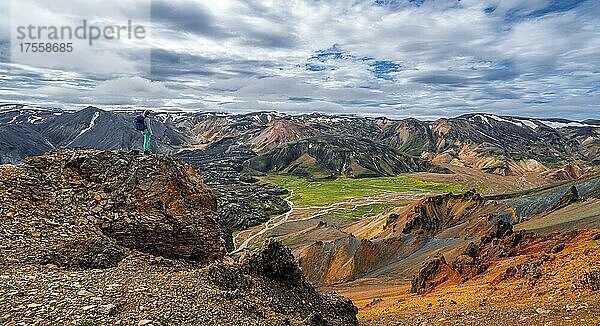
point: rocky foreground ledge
(89, 237)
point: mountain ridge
(468, 140)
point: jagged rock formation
(154, 204)
(273, 260)
(93, 237)
(433, 273)
(434, 214)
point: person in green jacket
(147, 132)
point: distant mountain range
(318, 146)
(26, 131)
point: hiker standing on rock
(143, 124)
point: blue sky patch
(554, 7)
(489, 10)
(328, 58)
(383, 68)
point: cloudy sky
(397, 58)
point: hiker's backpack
(139, 123)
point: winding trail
(320, 211)
(268, 226)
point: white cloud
(120, 91)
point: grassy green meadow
(320, 193)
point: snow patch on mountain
(556, 124)
(33, 119)
(90, 126)
(529, 124)
(497, 118)
(515, 121)
(481, 117)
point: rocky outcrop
(502, 229)
(471, 261)
(432, 273)
(468, 264)
(83, 198)
(273, 260)
(434, 214)
(107, 238)
(276, 263)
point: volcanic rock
(432, 273)
(502, 229)
(242, 202)
(434, 214)
(154, 204)
(273, 260)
